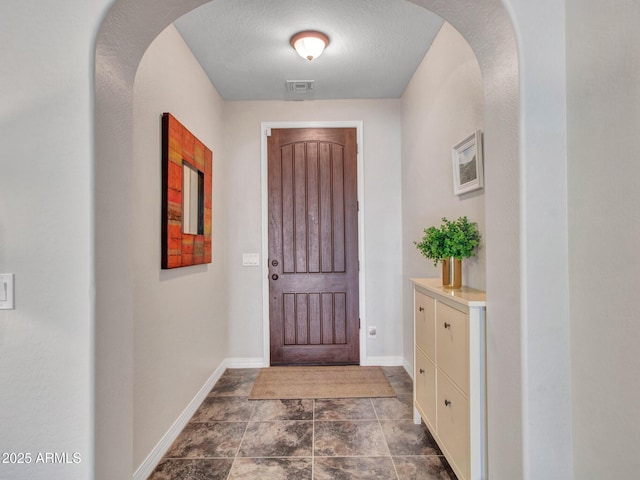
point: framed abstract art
(186, 196)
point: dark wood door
(313, 246)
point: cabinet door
(425, 376)
(425, 311)
(452, 333)
(453, 425)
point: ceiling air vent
(300, 86)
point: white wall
(442, 105)
(544, 317)
(46, 346)
(382, 214)
(180, 315)
(603, 74)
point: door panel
(313, 246)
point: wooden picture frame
(186, 196)
(468, 165)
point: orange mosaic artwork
(181, 249)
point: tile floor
(231, 437)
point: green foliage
(458, 239)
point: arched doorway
(128, 29)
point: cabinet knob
(447, 325)
(421, 309)
(447, 402)
(422, 370)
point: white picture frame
(468, 165)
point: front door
(313, 246)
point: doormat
(320, 382)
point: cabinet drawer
(425, 318)
(452, 333)
(453, 424)
(425, 376)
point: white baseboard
(257, 362)
(390, 361)
(408, 367)
(154, 457)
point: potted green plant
(449, 244)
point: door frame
(264, 129)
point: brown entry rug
(321, 382)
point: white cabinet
(449, 372)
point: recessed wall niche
(186, 196)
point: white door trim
(264, 129)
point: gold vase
(451, 273)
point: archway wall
(529, 402)
(546, 343)
(487, 28)
(544, 338)
(520, 48)
(127, 31)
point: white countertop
(467, 296)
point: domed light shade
(309, 44)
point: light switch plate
(6, 291)
(250, 259)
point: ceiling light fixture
(309, 44)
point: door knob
(447, 402)
(422, 370)
(447, 325)
(274, 263)
(274, 276)
(421, 309)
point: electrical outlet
(372, 332)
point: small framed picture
(467, 164)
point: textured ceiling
(375, 46)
